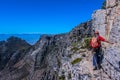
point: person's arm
(108, 42)
(104, 40)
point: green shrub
(104, 5)
(76, 61)
(62, 77)
(75, 44)
(74, 49)
(86, 43)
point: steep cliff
(107, 21)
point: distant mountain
(30, 38)
(12, 50)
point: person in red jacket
(96, 45)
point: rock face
(107, 21)
(99, 21)
(66, 56)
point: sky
(44, 16)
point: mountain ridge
(30, 38)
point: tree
(104, 5)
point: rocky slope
(67, 56)
(47, 58)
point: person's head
(96, 33)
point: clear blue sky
(44, 16)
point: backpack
(94, 42)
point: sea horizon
(29, 38)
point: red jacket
(100, 38)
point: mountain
(12, 51)
(46, 58)
(68, 56)
(30, 38)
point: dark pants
(97, 57)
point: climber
(95, 43)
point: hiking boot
(95, 68)
(99, 66)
